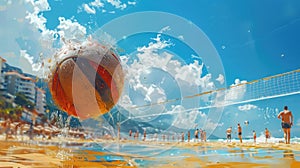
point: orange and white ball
(87, 79)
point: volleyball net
(279, 85)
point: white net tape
(280, 85)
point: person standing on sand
(7, 128)
(155, 137)
(182, 137)
(287, 119)
(240, 133)
(267, 134)
(204, 135)
(130, 134)
(145, 134)
(31, 132)
(136, 135)
(228, 133)
(201, 135)
(254, 136)
(189, 136)
(196, 135)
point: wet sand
(287, 159)
(23, 155)
(48, 155)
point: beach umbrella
(26, 127)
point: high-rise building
(18, 83)
(12, 81)
(2, 66)
(40, 101)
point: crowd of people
(239, 128)
(286, 124)
(286, 117)
(11, 129)
(180, 137)
(24, 130)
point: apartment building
(40, 102)
(2, 66)
(13, 80)
(18, 83)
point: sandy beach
(54, 153)
(23, 155)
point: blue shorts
(285, 125)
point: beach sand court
(147, 154)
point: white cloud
(91, 7)
(35, 17)
(70, 29)
(26, 57)
(220, 79)
(180, 37)
(88, 9)
(154, 46)
(148, 58)
(154, 93)
(188, 77)
(131, 3)
(236, 90)
(39, 5)
(210, 125)
(23, 53)
(167, 28)
(25, 30)
(195, 56)
(125, 101)
(117, 4)
(231, 95)
(97, 4)
(18, 34)
(193, 119)
(247, 107)
(185, 120)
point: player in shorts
(228, 133)
(240, 132)
(287, 118)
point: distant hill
(8, 68)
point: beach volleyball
(87, 79)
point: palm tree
(2, 103)
(23, 101)
(18, 112)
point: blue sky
(252, 40)
(270, 47)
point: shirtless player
(286, 117)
